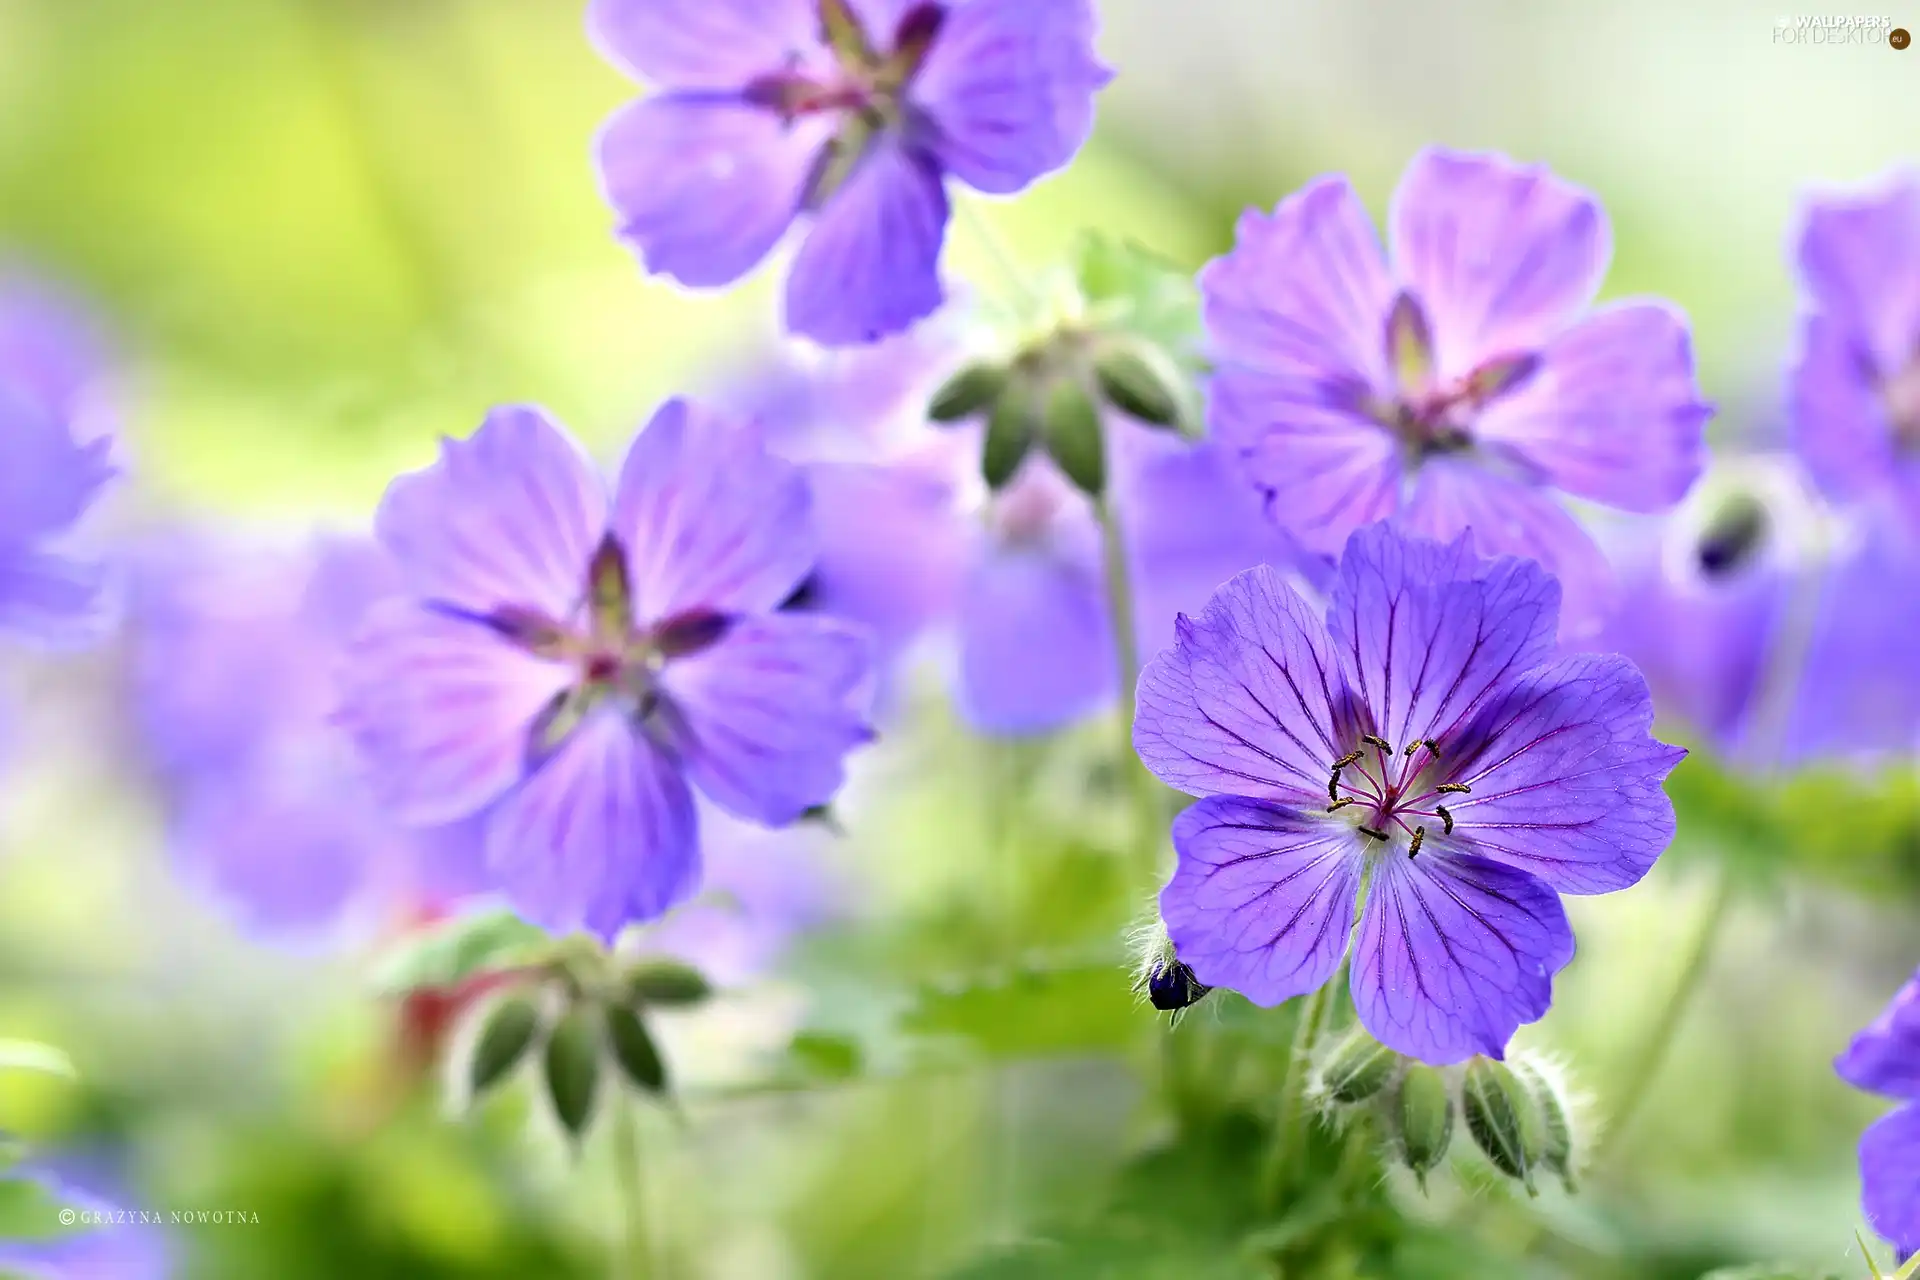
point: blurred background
(315, 235)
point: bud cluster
(1519, 1115)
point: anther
(1418, 743)
(1373, 741)
(1333, 786)
(1345, 760)
(1459, 787)
(1419, 834)
(1369, 831)
(1445, 817)
(1341, 803)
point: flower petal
(52, 599)
(706, 185)
(870, 265)
(1009, 88)
(892, 545)
(1454, 954)
(440, 708)
(602, 835)
(1566, 776)
(1885, 1057)
(1262, 900)
(702, 44)
(1426, 632)
(509, 517)
(1249, 701)
(48, 479)
(1612, 413)
(709, 519)
(1860, 259)
(1841, 427)
(1036, 641)
(1890, 1178)
(1501, 255)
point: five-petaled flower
(1885, 1059)
(569, 660)
(850, 113)
(1422, 746)
(1458, 384)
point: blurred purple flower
(850, 113)
(1475, 776)
(53, 463)
(235, 657)
(106, 1246)
(1885, 1059)
(1458, 384)
(1856, 384)
(568, 661)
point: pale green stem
(1290, 1120)
(635, 1260)
(1140, 786)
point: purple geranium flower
(569, 659)
(235, 656)
(1885, 1059)
(1856, 385)
(1424, 746)
(1458, 384)
(53, 464)
(850, 113)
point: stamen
(1333, 786)
(1373, 741)
(1445, 817)
(1419, 834)
(1341, 803)
(1369, 831)
(1418, 743)
(1350, 758)
(1458, 787)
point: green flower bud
(1422, 1120)
(1503, 1120)
(1556, 1125)
(667, 984)
(1071, 426)
(634, 1050)
(1359, 1068)
(1138, 386)
(505, 1037)
(973, 390)
(1011, 431)
(573, 1068)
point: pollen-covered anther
(1352, 757)
(1446, 816)
(1340, 803)
(1374, 741)
(1418, 743)
(1333, 786)
(1455, 788)
(1376, 834)
(1419, 834)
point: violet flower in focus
(570, 662)
(848, 115)
(1885, 1059)
(1458, 383)
(1422, 746)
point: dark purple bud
(1172, 987)
(690, 632)
(1732, 537)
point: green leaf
(573, 1069)
(31, 1055)
(1134, 289)
(504, 1040)
(634, 1050)
(667, 984)
(460, 948)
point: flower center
(1394, 793)
(1428, 414)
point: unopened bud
(1503, 1120)
(573, 1068)
(634, 1050)
(667, 984)
(973, 390)
(505, 1037)
(1011, 431)
(1071, 427)
(1422, 1120)
(1137, 386)
(1359, 1068)
(1556, 1120)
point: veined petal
(1502, 256)
(706, 184)
(602, 835)
(1860, 258)
(1612, 413)
(1263, 898)
(1036, 640)
(441, 708)
(702, 44)
(1885, 1057)
(1426, 632)
(1454, 954)
(1566, 776)
(1250, 699)
(709, 519)
(1890, 1177)
(508, 518)
(870, 264)
(1008, 86)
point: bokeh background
(318, 234)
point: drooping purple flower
(234, 655)
(1457, 384)
(1885, 1059)
(1856, 384)
(569, 662)
(848, 115)
(1422, 746)
(54, 461)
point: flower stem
(635, 1260)
(1290, 1120)
(1133, 776)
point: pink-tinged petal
(1566, 776)
(441, 709)
(1454, 954)
(1860, 258)
(53, 599)
(1890, 1178)
(602, 835)
(705, 185)
(1501, 255)
(762, 719)
(507, 518)
(1036, 644)
(1249, 701)
(870, 264)
(1841, 426)
(1304, 293)
(710, 520)
(1427, 632)
(893, 547)
(1263, 897)
(1324, 470)
(1008, 87)
(1885, 1057)
(702, 44)
(1612, 413)
(1510, 517)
